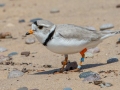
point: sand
(79, 12)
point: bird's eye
(40, 27)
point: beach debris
(90, 28)
(67, 88)
(112, 60)
(5, 35)
(21, 21)
(2, 4)
(71, 66)
(106, 26)
(94, 50)
(15, 74)
(54, 10)
(118, 42)
(29, 40)
(86, 74)
(4, 58)
(118, 6)
(12, 54)
(92, 78)
(98, 82)
(2, 49)
(24, 70)
(23, 88)
(102, 85)
(47, 66)
(35, 19)
(89, 55)
(26, 53)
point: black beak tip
(27, 33)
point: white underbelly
(62, 46)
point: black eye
(40, 27)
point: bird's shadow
(83, 67)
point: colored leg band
(79, 66)
(82, 59)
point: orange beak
(29, 32)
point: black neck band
(49, 38)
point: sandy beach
(84, 13)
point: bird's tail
(108, 33)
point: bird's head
(41, 29)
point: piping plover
(67, 38)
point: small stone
(108, 84)
(92, 78)
(2, 49)
(35, 19)
(106, 26)
(112, 60)
(47, 66)
(90, 28)
(4, 58)
(118, 42)
(23, 88)
(54, 10)
(2, 4)
(98, 82)
(71, 66)
(118, 6)
(12, 54)
(29, 40)
(24, 70)
(26, 53)
(3, 35)
(21, 21)
(67, 88)
(15, 74)
(102, 85)
(89, 55)
(86, 74)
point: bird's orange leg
(64, 62)
(81, 60)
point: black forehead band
(36, 23)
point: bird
(67, 39)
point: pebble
(4, 58)
(86, 74)
(98, 82)
(89, 55)
(90, 28)
(94, 50)
(2, 4)
(47, 66)
(67, 88)
(35, 19)
(2, 49)
(30, 41)
(118, 6)
(3, 35)
(24, 70)
(21, 21)
(92, 78)
(15, 74)
(23, 88)
(106, 26)
(71, 66)
(26, 53)
(12, 54)
(54, 10)
(118, 42)
(102, 85)
(112, 60)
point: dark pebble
(21, 21)
(47, 66)
(112, 60)
(118, 6)
(23, 88)
(35, 19)
(2, 4)
(26, 53)
(71, 66)
(24, 70)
